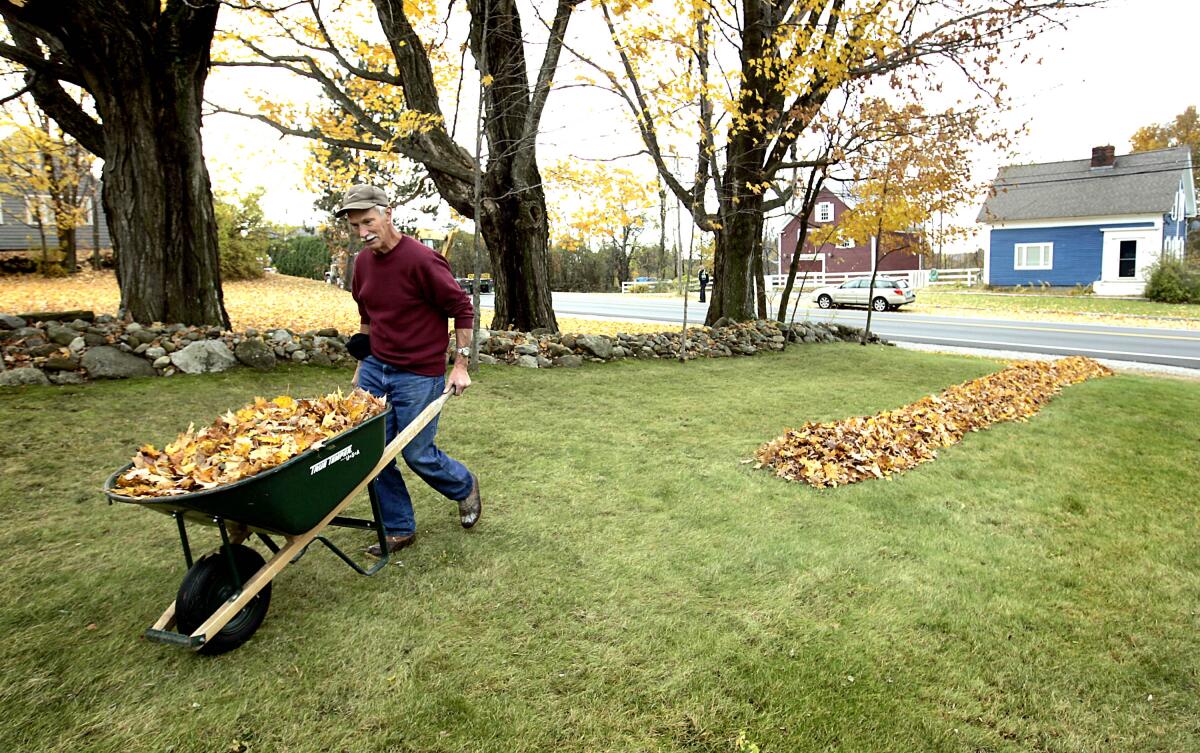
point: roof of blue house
(1105, 185)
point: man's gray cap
(361, 196)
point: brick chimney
(1103, 156)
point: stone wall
(52, 351)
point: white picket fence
(915, 278)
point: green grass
(1033, 302)
(632, 585)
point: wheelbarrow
(225, 594)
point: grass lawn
(632, 585)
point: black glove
(359, 346)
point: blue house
(1101, 222)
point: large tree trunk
(156, 192)
(514, 223)
(145, 64)
(736, 243)
(515, 232)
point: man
(703, 277)
(405, 293)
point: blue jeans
(408, 395)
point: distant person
(405, 293)
(703, 277)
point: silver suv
(888, 294)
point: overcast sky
(1112, 70)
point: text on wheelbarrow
(346, 453)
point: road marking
(1028, 346)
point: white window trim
(823, 208)
(1019, 247)
(847, 243)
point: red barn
(856, 255)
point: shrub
(241, 237)
(301, 256)
(1173, 281)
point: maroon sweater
(405, 296)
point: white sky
(1112, 70)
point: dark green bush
(1173, 281)
(301, 256)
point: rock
(8, 321)
(77, 345)
(61, 335)
(25, 333)
(327, 332)
(79, 325)
(500, 345)
(317, 358)
(722, 322)
(540, 331)
(619, 352)
(169, 346)
(194, 337)
(107, 362)
(162, 362)
(93, 340)
(557, 349)
(203, 357)
(144, 336)
(569, 341)
(54, 316)
(256, 354)
(41, 351)
(61, 363)
(299, 356)
(485, 358)
(484, 335)
(24, 375)
(330, 343)
(569, 362)
(543, 362)
(141, 349)
(292, 347)
(527, 362)
(598, 345)
(526, 350)
(66, 377)
(251, 332)
(647, 352)
(155, 353)
(281, 336)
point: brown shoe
(470, 508)
(394, 544)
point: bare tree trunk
(760, 283)
(97, 261)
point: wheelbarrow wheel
(208, 585)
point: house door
(1127, 259)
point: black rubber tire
(824, 301)
(879, 304)
(207, 585)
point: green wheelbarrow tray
(286, 500)
(224, 595)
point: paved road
(1172, 347)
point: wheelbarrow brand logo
(346, 453)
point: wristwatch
(464, 352)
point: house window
(847, 243)
(1127, 259)
(1034, 256)
(825, 211)
(43, 206)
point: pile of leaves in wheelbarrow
(261, 435)
(865, 447)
